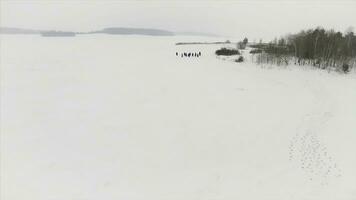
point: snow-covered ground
(122, 117)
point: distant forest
(318, 47)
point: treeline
(318, 47)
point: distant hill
(57, 34)
(135, 31)
(111, 30)
(8, 30)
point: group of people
(195, 54)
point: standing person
(176, 53)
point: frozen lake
(122, 117)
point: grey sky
(254, 19)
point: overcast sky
(254, 19)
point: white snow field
(100, 117)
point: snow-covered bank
(123, 117)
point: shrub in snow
(240, 59)
(345, 68)
(227, 52)
(245, 41)
(241, 45)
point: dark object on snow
(345, 68)
(227, 52)
(190, 54)
(254, 51)
(240, 59)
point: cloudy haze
(254, 19)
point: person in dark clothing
(176, 53)
(185, 54)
